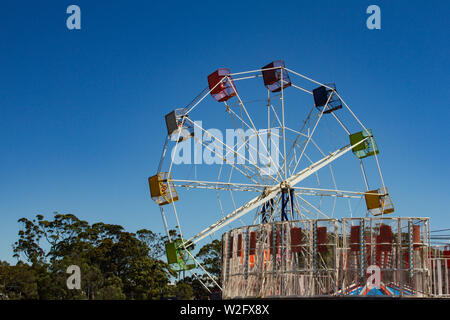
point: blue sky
(81, 112)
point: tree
(17, 282)
(199, 292)
(184, 290)
(111, 290)
(210, 256)
(114, 264)
(155, 242)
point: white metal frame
(267, 187)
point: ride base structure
(328, 257)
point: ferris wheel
(270, 145)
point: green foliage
(17, 282)
(184, 290)
(111, 290)
(199, 291)
(114, 264)
(210, 256)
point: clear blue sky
(81, 112)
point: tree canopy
(114, 263)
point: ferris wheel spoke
(281, 125)
(274, 111)
(312, 132)
(329, 193)
(224, 159)
(329, 166)
(247, 145)
(231, 112)
(301, 88)
(243, 122)
(299, 210)
(332, 113)
(232, 197)
(218, 193)
(252, 125)
(334, 207)
(300, 132)
(294, 159)
(207, 91)
(310, 213)
(307, 78)
(229, 149)
(218, 185)
(277, 149)
(312, 206)
(296, 132)
(292, 162)
(283, 128)
(317, 173)
(340, 122)
(271, 163)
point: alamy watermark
(73, 21)
(374, 20)
(74, 280)
(259, 148)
